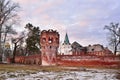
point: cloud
(84, 20)
(47, 5)
(26, 2)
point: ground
(35, 72)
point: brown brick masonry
(33, 59)
(72, 60)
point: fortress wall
(32, 59)
(72, 60)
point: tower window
(50, 47)
(50, 40)
(43, 39)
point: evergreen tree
(33, 39)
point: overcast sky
(83, 20)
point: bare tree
(114, 39)
(17, 42)
(7, 30)
(7, 12)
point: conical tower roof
(66, 40)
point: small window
(43, 39)
(50, 40)
(92, 49)
(50, 47)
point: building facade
(65, 48)
(95, 47)
(78, 49)
(98, 49)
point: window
(50, 40)
(92, 49)
(50, 47)
(44, 40)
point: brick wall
(70, 60)
(33, 59)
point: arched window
(44, 39)
(50, 40)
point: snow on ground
(88, 74)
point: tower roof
(66, 40)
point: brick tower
(49, 41)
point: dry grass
(18, 67)
(37, 68)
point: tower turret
(49, 41)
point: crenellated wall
(88, 60)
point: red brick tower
(49, 41)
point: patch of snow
(89, 74)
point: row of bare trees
(8, 17)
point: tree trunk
(5, 37)
(0, 44)
(3, 49)
(115, 50)
(0, 41)
(14, 52)
(0, 48)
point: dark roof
(77, 47)
(76, 44)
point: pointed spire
(66, 41)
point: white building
(65, 48)
(95, 47)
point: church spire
(66, 41)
